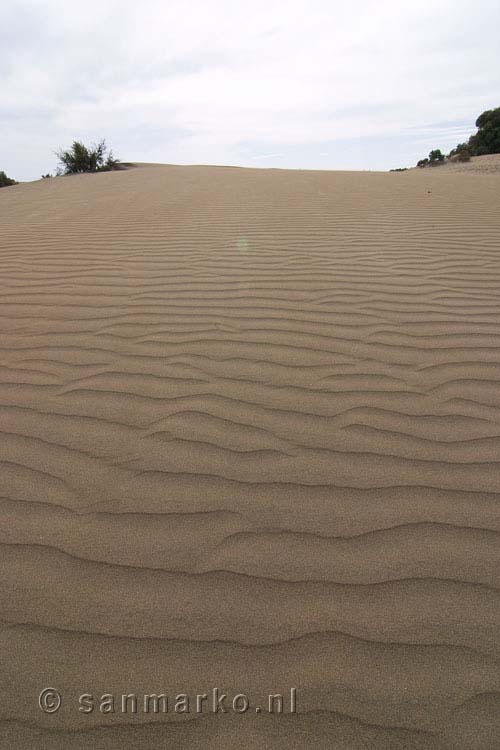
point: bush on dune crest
(6, 181)
(485, 141)
(487, 138)
(436, 157)
(79, 159)
(461, 152)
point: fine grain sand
(250, 438)
(479, 164)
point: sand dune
(480, 164)
(251, 439)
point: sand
(250, 440)
(490, 163)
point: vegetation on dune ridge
(6, 181)
(485, 141)
(80, 159)
(487, 138)
(77, 160)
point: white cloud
(221, 82)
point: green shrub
(485, 141)
(436, 157)
(458, 149)
(79, 159)
(6, 181)
(487, 138)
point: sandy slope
(489, 163)
(250, 439)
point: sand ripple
(250, 437)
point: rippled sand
(251, 439)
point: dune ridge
(250, 432)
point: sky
(310, 84)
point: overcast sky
(319, 84)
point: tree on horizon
(80, 159)
(485, 141)
(487, 138)
(6, 181)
